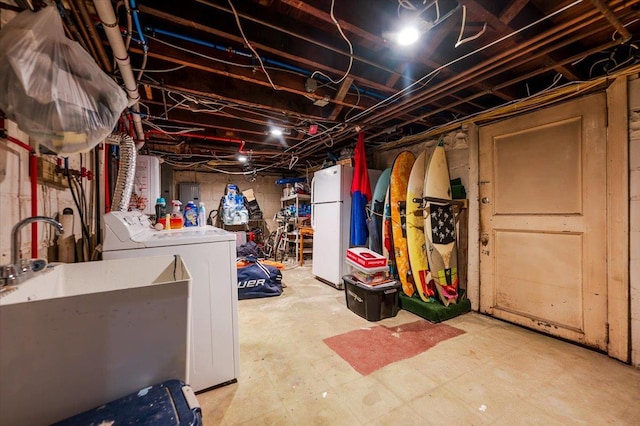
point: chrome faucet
(19, 270)
(15, 234)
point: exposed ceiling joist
(206, 80)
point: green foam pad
(434, 311)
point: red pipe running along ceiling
(241, 149)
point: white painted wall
(634, 217)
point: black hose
(85, 231)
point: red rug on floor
(370, 349)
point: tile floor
(496, 373)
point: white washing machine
(210, 256)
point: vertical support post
(618, 220)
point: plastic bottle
(161, 208)
(176, 215)
(202, 214)
(190, 214)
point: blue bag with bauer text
(258, 280)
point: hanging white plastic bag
(52, 87)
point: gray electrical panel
(189, 192)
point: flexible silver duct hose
(126, 171)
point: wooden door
(543, 220)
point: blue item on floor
(258, 280)
(168, 403)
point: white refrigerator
(331, 221)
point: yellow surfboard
(415, 232)
(439, 228)
(398, 194)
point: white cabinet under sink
(76, 336)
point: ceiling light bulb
(408, 36)
(276, 132)
(242, 158)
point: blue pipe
(196, 41)
(226, 49)
(134, 9)
(249, 55)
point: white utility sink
(76, 336)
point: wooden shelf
(299, 197)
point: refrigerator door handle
(313, 194)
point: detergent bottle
(176, 215)
(190, 214)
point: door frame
(618, 220)
(617, 217)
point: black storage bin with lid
(372, 303)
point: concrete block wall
(634, 217)
(212, 186)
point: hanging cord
(464, 22)
(293, 161)
(335, 21)
(235, 14)
(405, 4)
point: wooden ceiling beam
(582, 26)
(281, 112)
(495, 22)
(393, 78)
(342, 92)
(278, 52)
(438, 36)
(185, 117)
(511, 10)
(241, 75)
(534, 73)
(326, 17)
